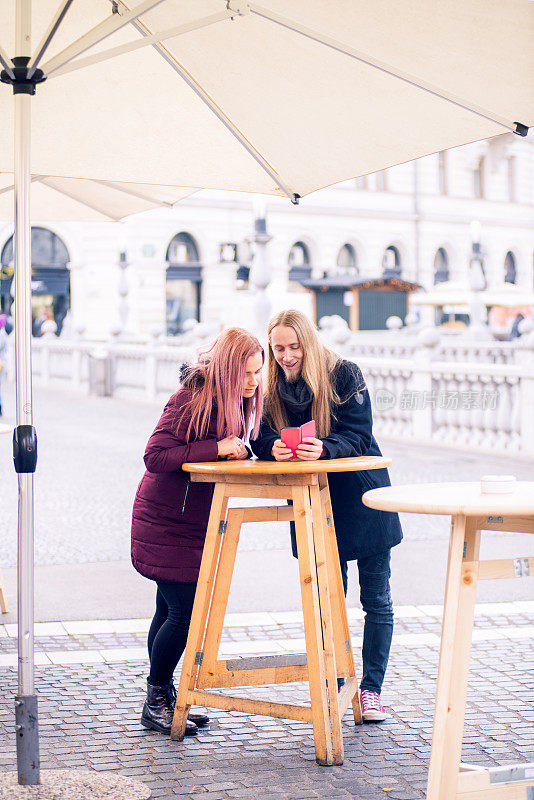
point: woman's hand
(230, 447)
(280, 452)
(311, 449)
(242, 451)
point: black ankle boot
(200, 720)
(157, 711)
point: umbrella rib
(109, 184)
(101, 31)
(133, 193)
(34, 178)
(71, 196)
(48, 36)
(4, 60)
(219, 113)
(334, 44)
(130, 46)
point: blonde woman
(307, 381)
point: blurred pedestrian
(515, 333)
(208, 418)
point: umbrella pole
(24, 439)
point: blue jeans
(375, 596)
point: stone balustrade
(403, 344)
(473, 396)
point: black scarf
(297, 396)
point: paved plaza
(90, 462)
(93, 614)
(91, 691)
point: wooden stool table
(3, 604)
(472, 512)
(328, 647)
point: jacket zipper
(185, 495)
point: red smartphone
(292, 437)
(308, 429)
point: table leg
(312, 626)
(208, 567)
(221, 589)
(3, 604)
(326, 596)
(460, 595)
(339, 609)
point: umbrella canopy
(59, 199)
(284, 97)
(507, 295)
(446, 293)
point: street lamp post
(477, 279)
(260, 274)
(123, 287)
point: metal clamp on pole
(27, 741)
(25, 448)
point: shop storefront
(50, 279)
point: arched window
(48, 250)
(441, 266)
(299, 255)
(182, 250)
(510, 272)
(299, 263)
(50, 278)
(346, 259)
(183, 282)
(391, 262)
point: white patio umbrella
(60, 199)
(280, 98)
(507, 295)
(445, 293)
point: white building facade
(154, 271)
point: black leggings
(167, 636)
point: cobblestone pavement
(89, 717)
(91, 674)
(125, 639)
(90, 462)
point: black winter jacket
(360, 531)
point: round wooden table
(328, 648)
(471, 511)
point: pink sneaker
(372, 708)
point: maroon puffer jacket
(170, 513)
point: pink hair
(220, 376)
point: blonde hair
(318, 370)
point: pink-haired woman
(218, 404)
